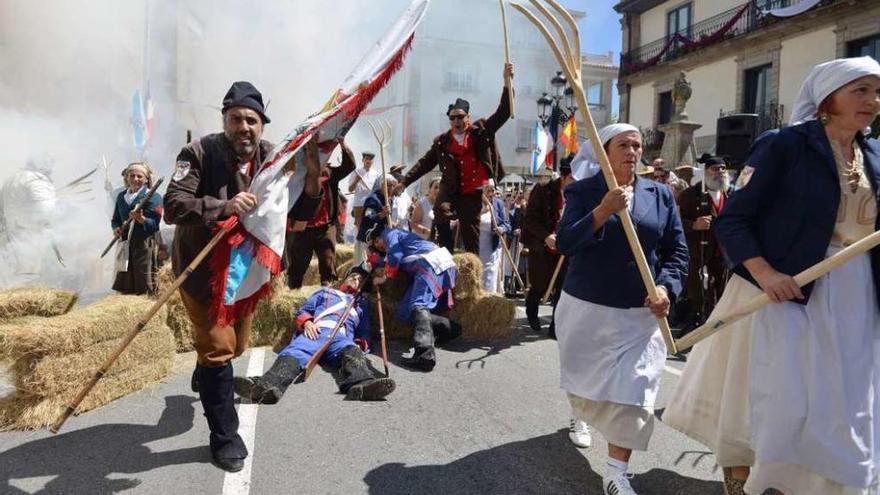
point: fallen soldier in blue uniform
(315, 321)
(432, 273)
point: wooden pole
(714, 325)
(508, 83)
(138, 327)
(501, 238)
(549, 291)
(382, 331)
(574, 79)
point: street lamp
(561, 105)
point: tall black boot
(423, 358)
(358, 380)
(533, 300)
(269, 388)
(215, 392)
(444, 329)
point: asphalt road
(490, 419)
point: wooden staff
(508, 83)
(316, 357)
(382, 331)
(138, 328)
(501, 237)
(383, 137)
(569, 60)
(803, 278)
(140, 206)
(556, 271)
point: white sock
(617, 467)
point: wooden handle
(138, 327)
(508, 83)
(382, 331)
(714, 325)
(503, 242)
(556, 271)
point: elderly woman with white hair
(611, 350)
(814, 376)
(136, 251)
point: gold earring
(824, 118)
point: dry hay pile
(274, 318)
(482, 316)
(178, 320)
(53, 358)
(344, 254)
(35, 301)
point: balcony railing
(770, 116)
(740, 20)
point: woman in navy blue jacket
(611, 350)
(814, 378)
(136, 255)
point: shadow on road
(82, 460)
(541, 465)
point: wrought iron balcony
(738, 21)
(770, 116)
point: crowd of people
(786, 399)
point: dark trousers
(353, 368)
(698, 303)
(542, 264)
(300, 245)
(466, 208)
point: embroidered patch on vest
(181, 169)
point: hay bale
(54, 357)
(35, 301)
(468, 283)
(178, 320)
(344, 254)
(273, 319)
(487, 317)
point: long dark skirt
(139, 277)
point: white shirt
(365, 185)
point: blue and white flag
(542, 144)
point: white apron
(609, 354)
(815, 383)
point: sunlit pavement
(490, 419)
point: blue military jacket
(601, 267)
(787, 211)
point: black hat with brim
(244, 94)
(368, 154)
(459, 105)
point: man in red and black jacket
(318, 235)
(468, 157)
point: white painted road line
(674, 371)
(240, 483)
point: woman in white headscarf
(136, 252)
(611, 351)
(814, 376)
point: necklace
(849, 170)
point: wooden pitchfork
(567, 51)
(383, 137)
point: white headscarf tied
(827, 78)
(586, 164)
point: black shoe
(215, 392)
(194, 381)
(228, 465)
(535, 323)
(423, 359)
(257, 390)
(375, 389)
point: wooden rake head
(566, 49)
(382, 132)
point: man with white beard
(708, 272)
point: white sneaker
(618, 484)
(579, 434)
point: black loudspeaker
(735, 135)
